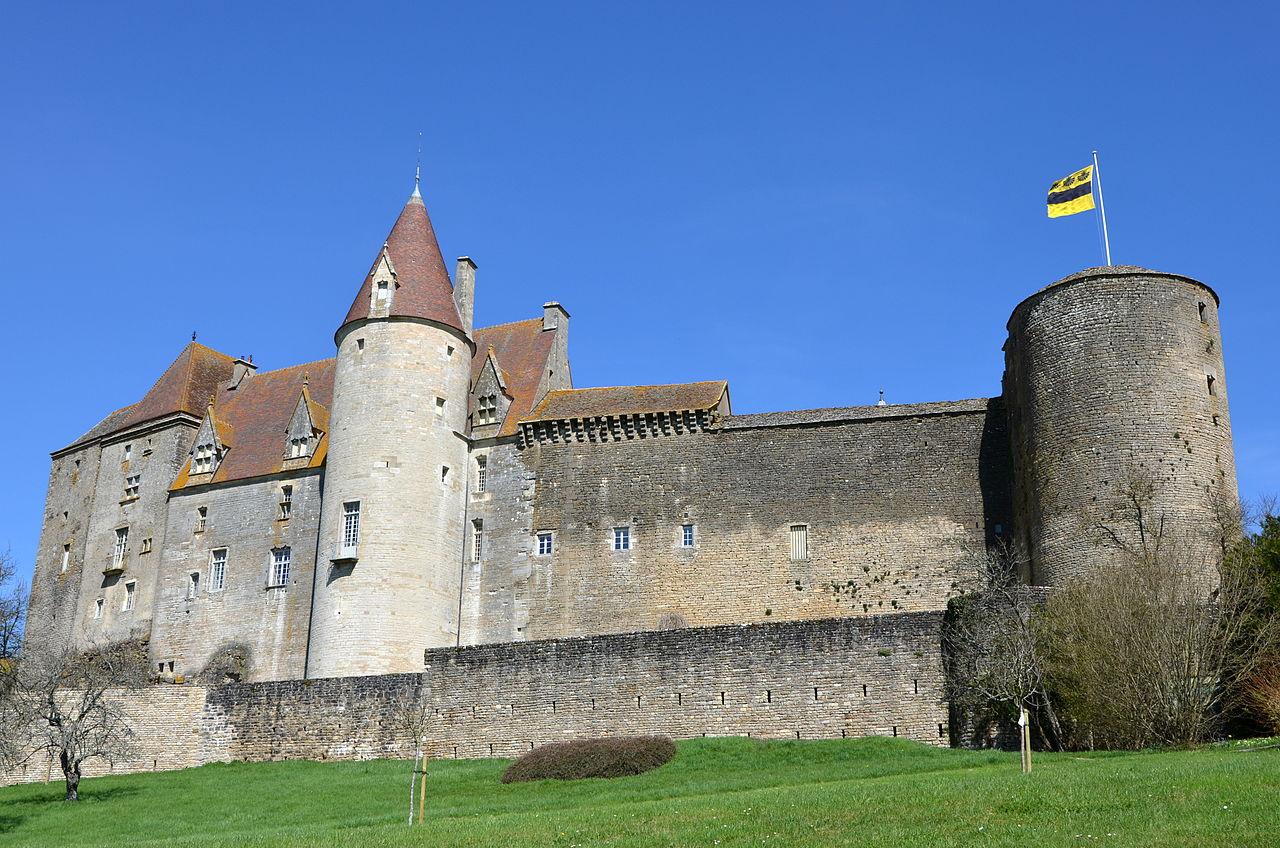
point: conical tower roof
(422, 289)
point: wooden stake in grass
(1024, 738)
(422, 788)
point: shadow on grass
(56, 797)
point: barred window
(281, 559)
(218, 570)
(350, 524)
(477, 540)
(799, 542)
(622, 538)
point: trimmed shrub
(613, 757)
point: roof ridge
(292, 367)
(636, 386)
(509, 324)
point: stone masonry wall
(894, 499)
(271, 620)
(819, 679)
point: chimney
(554, 316)
(464, 292)
(240, 369)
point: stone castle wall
(1113, 373)
(893, 499)
(872, 675)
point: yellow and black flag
(1072, 194)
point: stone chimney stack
(555, 316)
(242, 367)
(464, 292)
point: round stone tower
(391, 531)
(1115, 374)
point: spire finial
(417, 171)
(193, 335)
(306, 379)
(881, 401)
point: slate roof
(521, 350)
(626, 400)
(423, 289)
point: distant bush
(615, 757)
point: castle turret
(1114, 374)
(391, 533)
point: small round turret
(1115, 374)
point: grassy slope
(716, 792)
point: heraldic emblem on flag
(1072, 194)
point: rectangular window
(1211, 380)
(132, 485)
(384, 290)
(218, 570)
(487, 409)
(439, 406)
(97, 608)
(545, 544)
(202, 459)
(1203, 319)
(686, 536)
(280, 562)
(128, 452)
(122, 543)
(622, 538)
(193, 585)
(299, 447)
(202, 518)
(286, 502)
(477, 540)
(66, 557)
(799, 542)
(350, 524)
(130, 589)
(482, 473)
(146, 546)
(444, 474)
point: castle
(437, 485)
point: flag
(1072, 194)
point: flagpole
(1106, 239)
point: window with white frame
(218, 570)
(350, 525)
(286, 502)
(482, 473)
(97, 608)
(622, 538)
(193, 585)
(799, 542)
(686, 535)
(66, 557)
(202, 518)
(487, 409)
(132, 484)
(477, 540)
(546, 543)
(202, 459)
(281, 559)
(122, 544)
(130, 590)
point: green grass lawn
(728, 792)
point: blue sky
(809, 200)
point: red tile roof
(423, 289)
(521, 349)
(257, 415)
(185, 386)
(628, 400)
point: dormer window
(202, 459)
(487, 409)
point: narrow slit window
(477, 540)
(97, 608)
(193, 585)
(66, 557)
(1212, 381)
(482, 473)
(130, 590)
(1204, 319)
(202, 518)
(286, 502)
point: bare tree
(13, 608)
(1148, 647)
(411, 713)
(66, 704)
(994, 658)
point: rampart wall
(870, 675)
